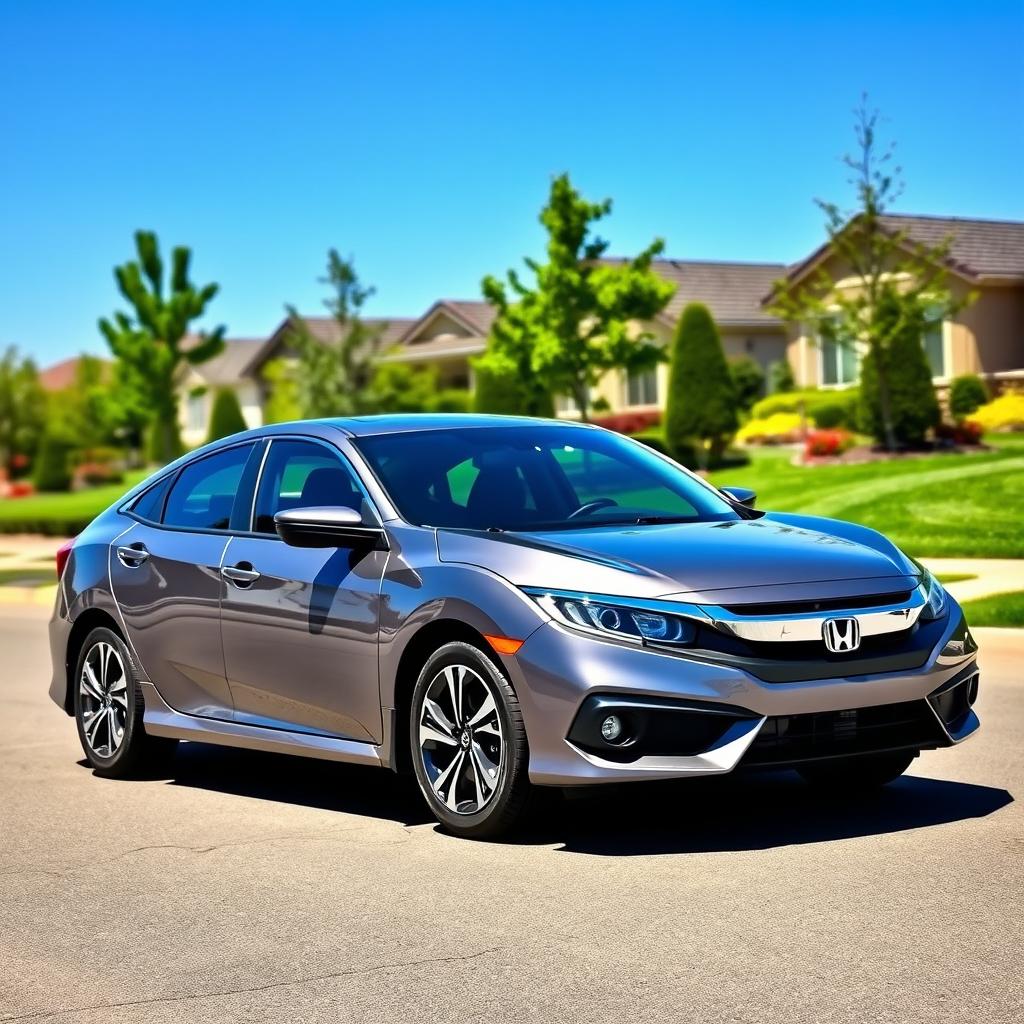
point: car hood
(775, 557)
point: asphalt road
(253, 887)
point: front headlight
(934, 595)
(641, 625)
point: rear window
(150, 504)
(203, 494)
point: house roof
(732, 291)
(229, 365)
(982, 251)
(61, 375)
(476, 316)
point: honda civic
(496, 604)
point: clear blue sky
(421, 137)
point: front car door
(165, 575)
(300, 625)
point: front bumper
(667, 698)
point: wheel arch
(84, 624)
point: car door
(165, 576)
(300, 625)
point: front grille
(790, 662)
(829, 605)
(791, 739)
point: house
(986, 337)
(63, 375)
(986, 260)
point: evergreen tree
(913, 407)
(748, 380)
(148, 345)
(966, 393)
(226, 416)
(701, 403)
(22, 408)
(52, 470)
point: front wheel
(109, 709)
(857, 774)
(468, 743)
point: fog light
(611, 728)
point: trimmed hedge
(826, 409)
(226, 417)
(966, 394)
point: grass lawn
(999, 610)
(61, 515)
(956, 577)
(948, 505)
(27, 577)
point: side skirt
(161, 719)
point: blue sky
(420, 138)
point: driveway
(255, 887)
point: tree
(896, 281)
(226, 415)
(781, 379)
(399, 387)
(282, 402)
(52, 470)
(149, 344)
(335, 379)
(510, 394)
(22, 409)
(913, 407)
(701, 403)
(747, 381)
(579, 318)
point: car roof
(396, 423)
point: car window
(539, 477)
(150, 503)
(302, 474)
(203, 494)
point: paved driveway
(252, 887)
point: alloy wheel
(461, 739)
(103, 688)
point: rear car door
(300, 624)
(165, 576)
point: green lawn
(999, 610)
(61, 515)
(938, 505)
(32, 577)
(955, 577)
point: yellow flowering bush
(779, 428)
(1003, 413)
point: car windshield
(534, 478)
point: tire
(109, 708)
(858, 774)
(482, 798)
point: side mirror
(327, 527)
(741, 495)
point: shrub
(20, 489)
(509, 395)
(226, 417)
(913, 407)
(779, 428)
(826, 409)
(701, 397)
(747, 380)
(1003, 413)
(94, 474)
(825, 443)
(966, 393)
(629, 422)
(780, 377)
(52, 470)
(450, 400)
(964, 432)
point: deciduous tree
(22, 409)
(581, 315)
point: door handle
(132, 556)
(239, 574)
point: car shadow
(744, 811)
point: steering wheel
(592, 506)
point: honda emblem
(841, 635)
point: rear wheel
(109, 708)
(468, 743)
(858, 774)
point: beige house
(987, 337)
(986, 260)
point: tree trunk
(582, 399)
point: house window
(642, 388)
(840, 360)
(195, 416)
(934, 343)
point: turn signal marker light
(504, 644)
